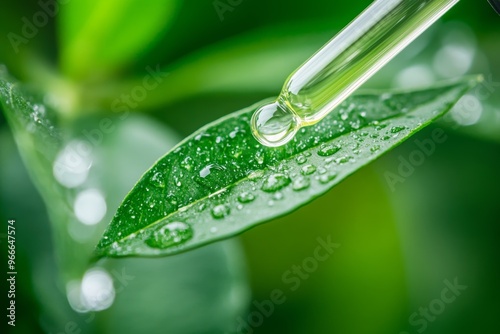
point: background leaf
(257, 61)
(206, 188)
(99, 37)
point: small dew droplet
(301, 183)
(321, 170)
(380, 126)
(157, 180)
(278, 196)
(259, 158)
(201, 207)
(246, 197)
(308, 169)
(325, 178)
(170, 234)
(326, 150)
(205, 171)
(396, 129)
(342, 160)
(301, 159)
(220, 211)
(275, 182)
(187, 163)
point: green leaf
(117, 158)
(219, 181)
(97, 37)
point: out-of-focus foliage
(103, 36)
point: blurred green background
(401, 244)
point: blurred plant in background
(134, 77)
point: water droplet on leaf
(325, 178)
(328, 149)
(157, 180)
(396, 129)
(343, 160)
(278, 196)
(212, 176)
(246, 197)
(170, 234)
(308, 169)
(275, 182)
(301, 159)
(187, 163)
(220, 211)
(301, 183)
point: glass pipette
(348, 60)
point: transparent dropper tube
(342, 65)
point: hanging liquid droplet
(274, 125)
(275, 182)
(220, 211)
(171, 234)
